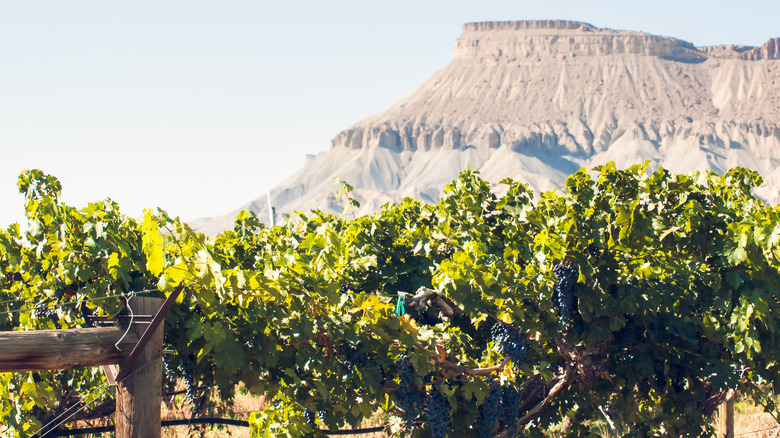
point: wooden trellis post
(139, 355)
(726, 417)
(139, 395)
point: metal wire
(132, 317)
(70, 303)
(86, 404)
(12, 300)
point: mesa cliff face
(537, 100)
(517, 41)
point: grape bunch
(593, 250)
(189, 382)
(352, 356)
(509, 342)
(438, 414)
(510, 403)
(44, 311)
(309, 415)
(322, 414)
(409, 398)
(489, 411)
(171, 373)
(564, 300)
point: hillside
(537, 100)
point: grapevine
(667, 285)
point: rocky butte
(538, 100)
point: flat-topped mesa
(526, 25)
(770, 50)
(528, 41)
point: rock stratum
(538, 100)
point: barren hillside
(537, 100)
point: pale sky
(198, 107)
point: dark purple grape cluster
(509, 342)
(171, 373)
(564, 300)
(308, 414)
(593, 250)
(438, 414)
(409, 398)
(322, 414)
(500, 408)
(489, 411)
(44, 311)
(189, 382)
(510, 403)
(352, 356)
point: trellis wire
(86, 404)
(69, 303)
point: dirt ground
(749, 422)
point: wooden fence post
(726, 418)
(138, 397)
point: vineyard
(632, 301)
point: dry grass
(751, 422)
(176, 407)
(242, 406)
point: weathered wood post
(138, 351)
(39, 350)
(726, 418)
(138, 395)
